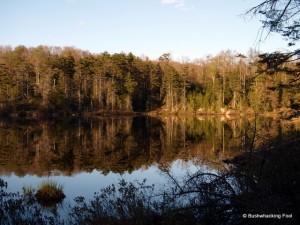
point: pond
(87, 154)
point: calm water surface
(88, 154)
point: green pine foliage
(68, 80)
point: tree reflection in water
(265, 181)
(119, 144)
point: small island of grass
(49, 193)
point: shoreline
(32, 111)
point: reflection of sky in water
(87, 183)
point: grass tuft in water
(49, 193)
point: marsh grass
(49, 193)
(28, 190)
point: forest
(254, 159)
(48, 80)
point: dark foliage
(283, 17)
(264, 182)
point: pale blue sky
(186, 28)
